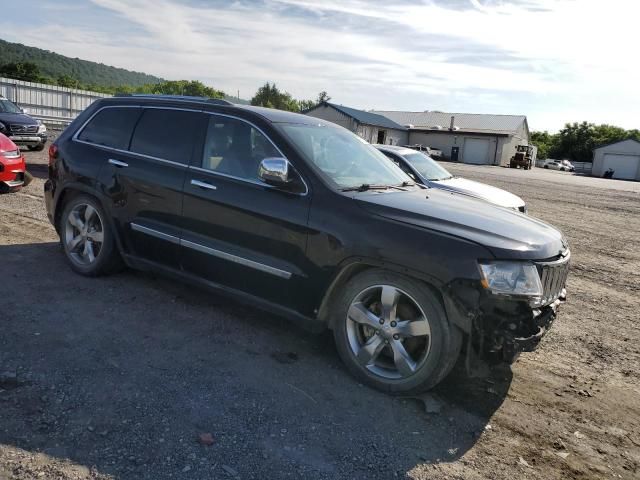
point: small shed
(622, 157)
(372, 127)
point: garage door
(624, 166)
(476, 150)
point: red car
(12, 165)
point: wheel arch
(354, 266)
(68, 191)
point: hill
(55, 65)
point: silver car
(423, 169)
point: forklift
(523, 157)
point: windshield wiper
(367, 186)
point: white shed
(622, 157)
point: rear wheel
(87, 239)
(392, 333)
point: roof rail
(215, 101)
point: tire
(75, 234)
(393, 357)
(28, 178)
(36, 148)
(546, 166)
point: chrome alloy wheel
(83, 234)
(389, 333)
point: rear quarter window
(111, 127)
(166, 134)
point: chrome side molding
(212, 251)
(155, 233)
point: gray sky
(553, 60)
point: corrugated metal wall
(46, 101)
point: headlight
(42, 128)
(511, 278)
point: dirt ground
(116, 378)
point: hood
(17, 118)
(480, 190)
(6, 145)
(506, 233)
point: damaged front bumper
(522, 332)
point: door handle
(205, 185)
(118, 163)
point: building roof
(368, 118)
(466, 122)
(616, 143)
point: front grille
(23, 128)
(554, 277)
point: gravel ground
(117, 377)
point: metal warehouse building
(622, 157)
(466, 137)
(372, 127)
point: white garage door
(476, 150)
(624, 166)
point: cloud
(553, 60)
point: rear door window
(166, 134)
(111, 127)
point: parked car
(12, 165)
(432, 152)
(425, 170)
(562, 165)
(20, 127)
(300, 217)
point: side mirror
(274, 171)
(24, 110)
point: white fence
(49, 103)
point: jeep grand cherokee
(300, 217)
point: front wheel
(393, 334)
(36, 148)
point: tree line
(269, 95)
(576, 141)
(52, 68)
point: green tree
(306, 104)
(270, 96)
(545, 143)
(576, 141)
(27, 71)
(181, 87)
(323, 97)
(67, 81)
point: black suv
(22, 129)
(301, 217)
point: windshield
(344, 157)
(8, 107)
(426, 166)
